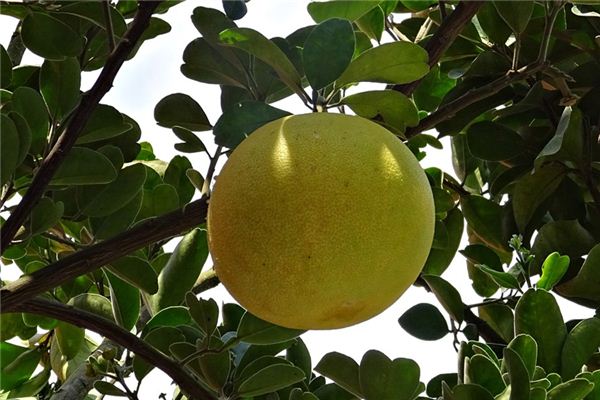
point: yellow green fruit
(320, 221)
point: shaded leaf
(502, 279)
(50, 38)
(30, 105)
(346, 9)
(170, 316)
(179, 109)
(125, 301)
(204, 312)
(439, 259)
(581, 342)
(270, 379)
(574, 389)
(424, 321)
(526, 347)
(160, 338)
(382, 378)
(480, 370)
(506, 142)
(567, 142)
(500, 318)
(109, 389)
(83, 166)
(9, 149)
(59, 85)
(254, 330)
(105, 122)
(447, 295)
(136, 272)
(515, 14)
(341, 369)
(485, 219)
(517, 375)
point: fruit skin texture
(320, 221)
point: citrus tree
(87, 207)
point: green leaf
(24, 133)
(33, 386)
(104, 228)
(424, 321)
(50, 38)
(372, 23)
(160, 338)
(11, 325)
(125, 301)
(502, 279)
(235, 9)
(586, 284)
(554, 268)
(327, 52)
(111, 197)
(175, 175)
(9, 149)
(506, 142)
(162, 199)
(480, 370)
(179, 109)
(492, 24)
(574, 389)
(191, 143)
(215, 366)
(182, 270)
(5, 68)
(346, 9)
(9, 353)
(70, 338)
(83, 166)
(45, 215)
(485, 219)
(94, 303)
(170, 316)
(399, 62)
(253, 359)
(137, 272)
(567, 142)
(30, 105)
(109, 389)
(439, 259)
(342, 370)
(59, 85)
(500, 318)
(526, 347)
(538, 315)
(265, 50)
(532, 190)
(581, 342)
(434, 387)
(517, 375)
(447, 295)
(204, 63)
(270, 379)
(299, 355)
(243, 119)
(204, 312)
(18, 367)
(396, 110)
(254, 330)
(515, 14)
(382, 378)
(105, 122)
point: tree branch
(78, 121)
(108, 329)
(445, 35)
(472, 96)
(96, 256)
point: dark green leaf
(125, 301)
(424, 321)
(502, 279)
(11, 325)
(439, 259)
(399, 62)
(135, 271)
(372, 23)
(45, 215)
(574, 389)
(480, 370)
(24, 133)
(215, 367)
(554, 268)
(532, 190)
(341, 369)
(204, 312)
(59, 85)
(182, 270)
(581, 342)
(382, 378)
(500, 318)
(50, 38)
(586, 284)
(170, 316)
(270, 379)
(179, 109)
(84, 166)
(203, 63)
(254, 330)
(18, 366)
(331, 391)
(515, 14)
(105, 123)
(567, 142)
(327, 52)
(243, 119)
(109, 389)
(396, 110)
(70, 338)
(526, 347)
(104, 228)
(9, 149)
(175, 175)
(235, 9)
(447, 295)
(485, 219)
(162, 199)
(160, 338)
(192, 144)
(299, 355)
(5, 68)
(434, 387)
(346, 9)
(538, 315)
(30, 105)
(494, 27)
(506, 142)
(517, 375)
(93, 303)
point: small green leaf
(9, 149)
(70, 338)
(502, 279)
(342, 370)
(170, 316)
(45, 215)
(574, 389)
(500, 318)
(161, 338)
(447, 295)
(507, 143)
(59, 85)
(270, 379)
(299, 355)
(538, 315)
(526, 347)
(439, 259)
(215, 366)
(434, 387)
(243, 119)
(424, 321)
(24, 133)
(554, 268)
(382, 378)
(137, 272)
(50, 38)
(191, 142)
(265, 50)
(346, 9)
(254, 330)
(175, 175)
(109, 389)
(372, 23)
(204, 312)
(83, 166)
(480, 370)
(5, 68)
(327, 52)
(485, 219)
(581, 342)
(30, 105)
(105, 122)
(515, 14)
(104, 228)
(396, 110)
(125, 301)
(398, 62)
(179, 109)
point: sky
(154, 73)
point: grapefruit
(320, 221)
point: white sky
(154, 73)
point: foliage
(514, 85)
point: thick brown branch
(108, 329)
(80, 117)
(96, 256)
(448, 110)
(445, 35)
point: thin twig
(78, 121)
(110, 330)
(211, 171)
(109, 25)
